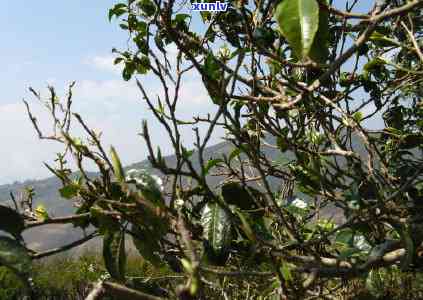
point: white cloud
(105, 63)
(21, 152)
(112, 106)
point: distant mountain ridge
(47, 193)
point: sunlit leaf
(217, 231)
(299, 21)
(117, 165)
(69, 191)
(41, 212)
(114, 253)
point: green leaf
(15, 257)
(117, 165)
(102, 220)
(117, 10)
(319, 50)
(186, 153)
(210, 164)
(41, 212)
(211, 67)
(148, 7)
(150, 186)
(11, 221)
(381, 40)
(345, 237)
(348, 253)
(245, 226)
(118, 60)
(69, 191)
(375, 283)
(128, 70)
(282, 144)
(235, 153)
(182, 17)
(114, 253)
(298, 21)
(233, 193)
(147, 244)
(358, 116)
(142, 65)
(374, 64)
(217, 232)
(286, 272)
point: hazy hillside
(47, 193)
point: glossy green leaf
(117, 10)
(211, 164)
(211, 67)
(117, 165)
(217, 231)
(381, 40)
(345, 237)
(235, 194)
(69, 191)
(358, 116)
(298, 21)
(11, 221)
(114, 253)
(150, 186)
(147, 6)
(320, 49)
(235, 153)
(147, 243)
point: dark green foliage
(11, 221)
(114, 253)
(15, 257)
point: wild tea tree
(322, 189)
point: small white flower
(224, 52)
(105, 276)
(179, 202)
(91, 268)
(143, 179)
(159, 182)
(361, 243)
(299, 203)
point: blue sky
(57, 42)
(49, 39)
